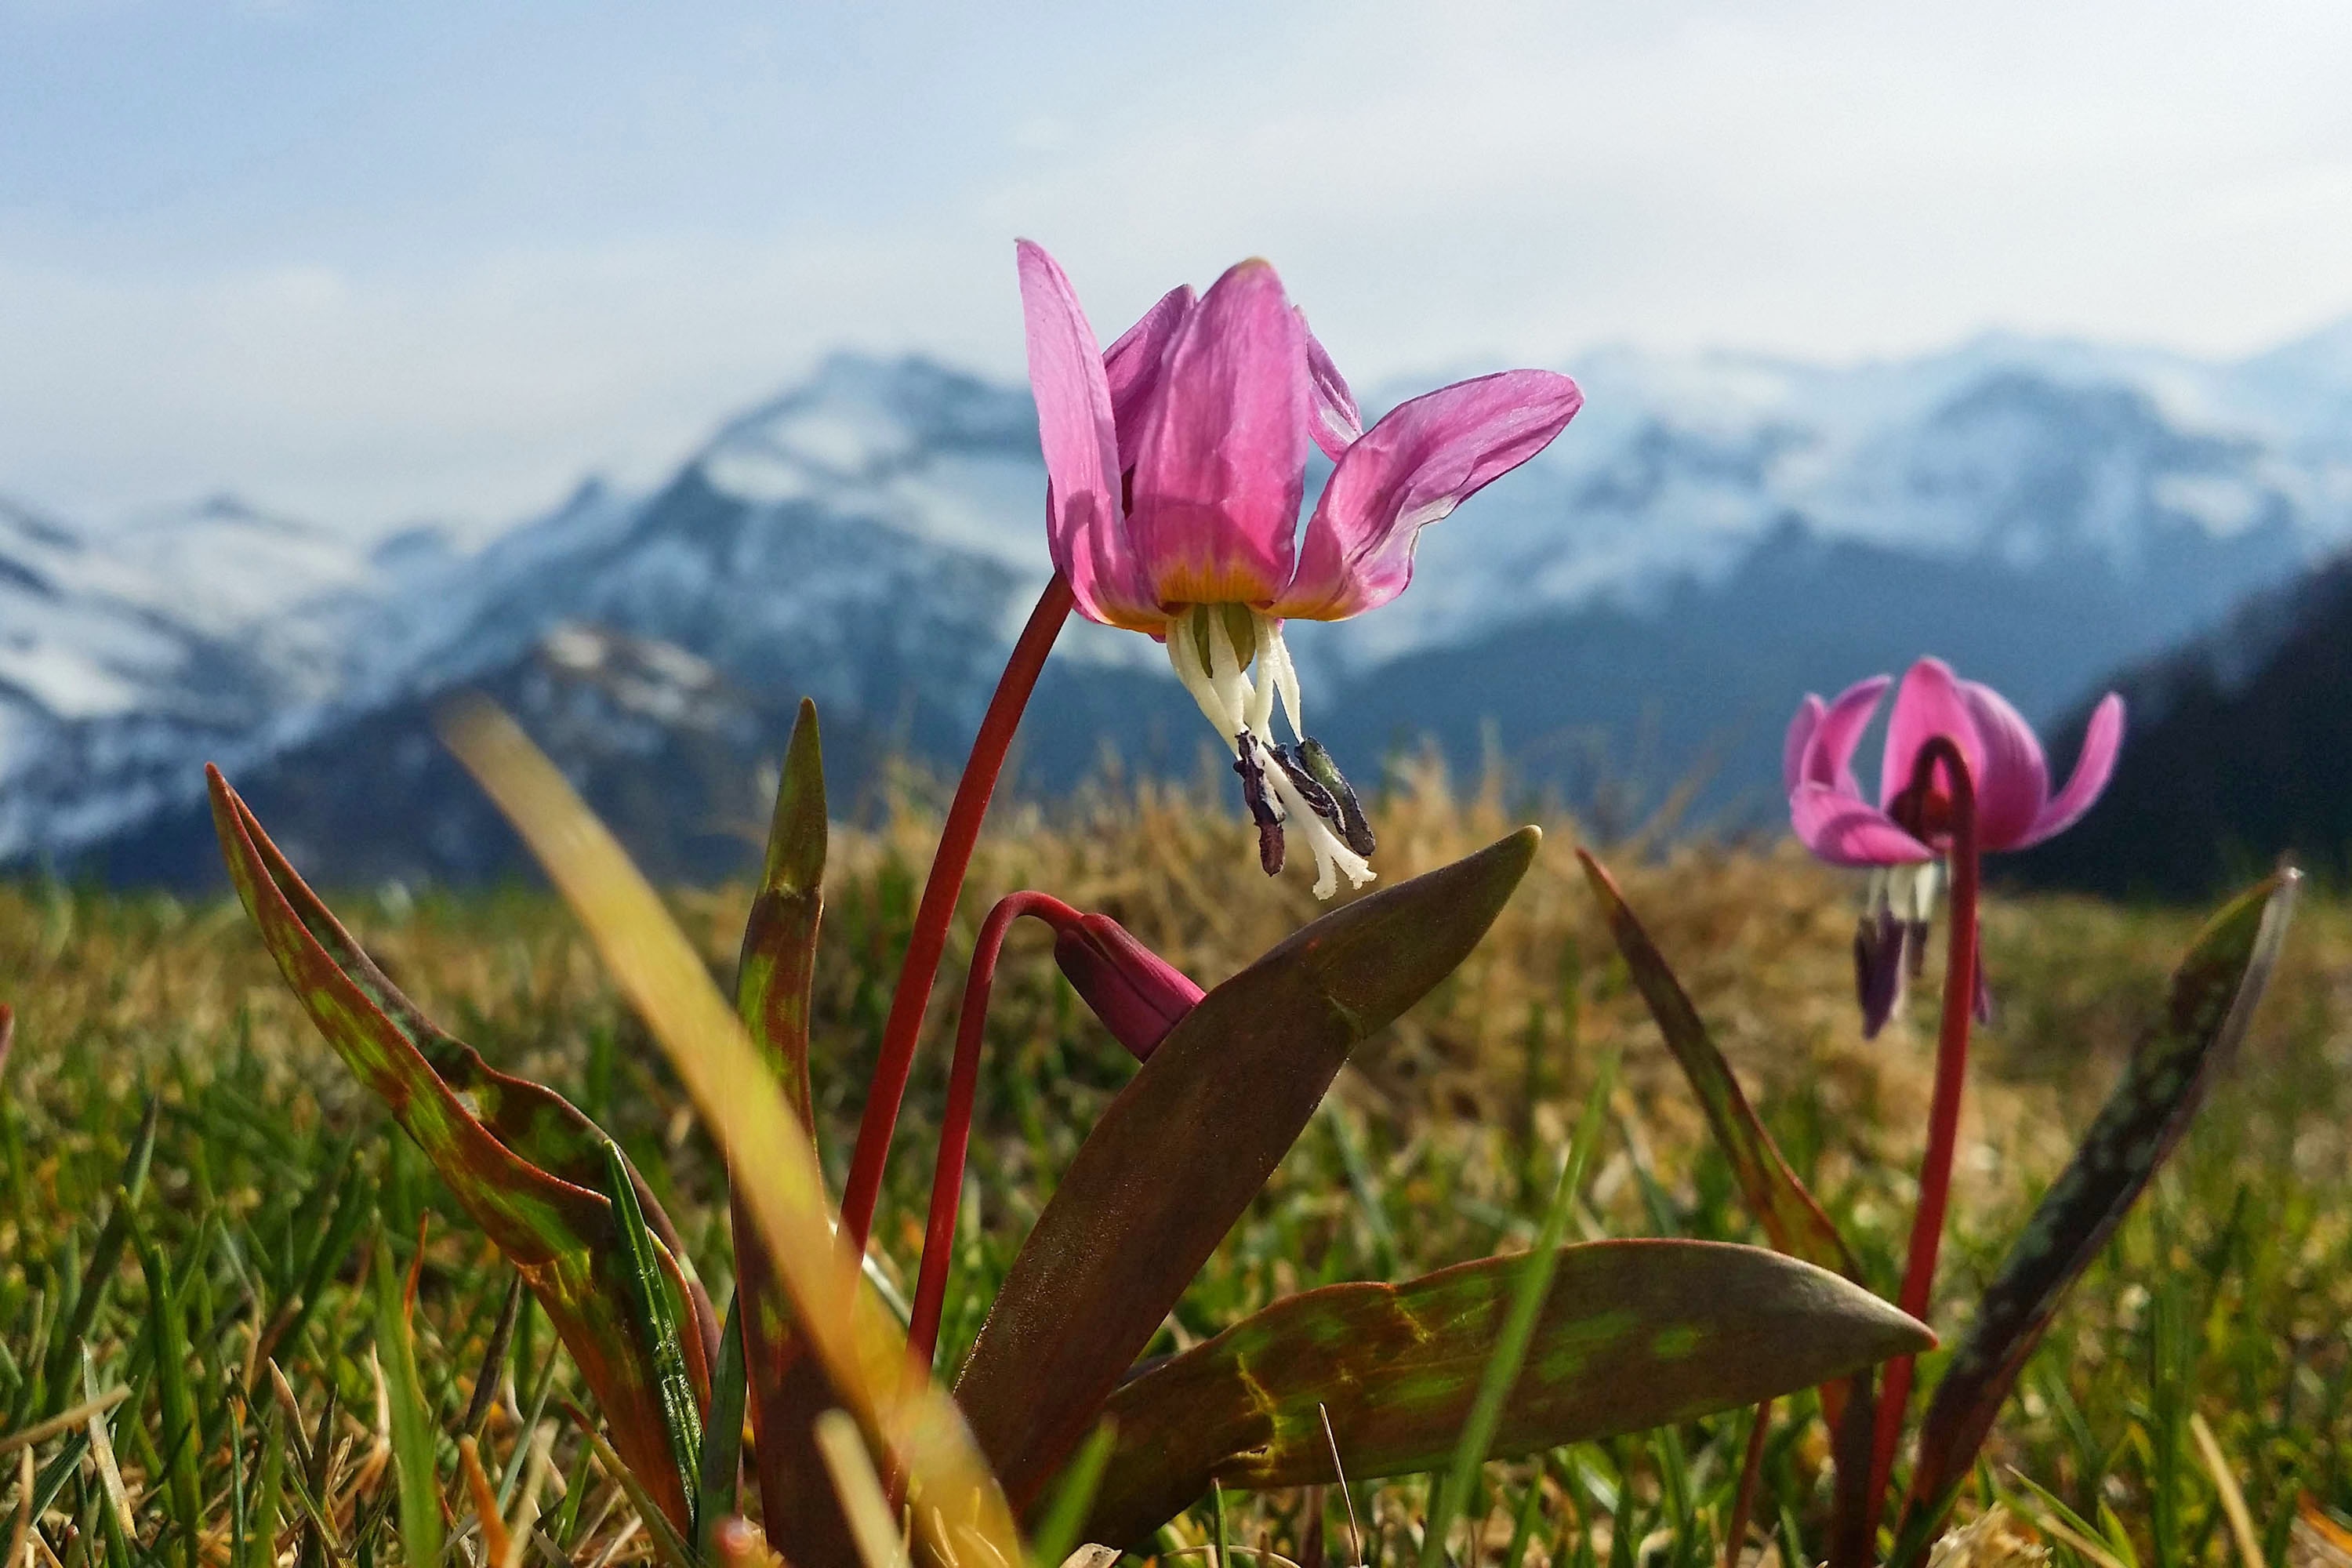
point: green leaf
(1189, 1143)
(788, 1389)
(1779, 1202)
(2214, 991)
(415, 1465)
(1632, 1334)
(656, 1322)
(557, 1230)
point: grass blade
(414, 1440)
(1527, 1292)
(649, 1293)
(664, 979)
(167, 1334)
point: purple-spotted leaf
(1632, 1334)
(1188, 1143)
(789, 1390)
(558, 1232)
(2214, 991)
(1779, 1202)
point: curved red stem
(929, 940)
(955, 1123)
(1944, 1111)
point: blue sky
(370, 263)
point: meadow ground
(2226, 1296)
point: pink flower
(2014, 806)
(1906, 835)
(1176, 467)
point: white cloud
(1441, 185)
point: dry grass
(1451, 1109)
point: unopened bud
(1138, 995)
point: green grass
(276, 1196)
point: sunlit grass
(273, 1175)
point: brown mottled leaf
(560, 1235)
(1189, 1141)
(2214, 991)
(1633, 1335)
(1789, 1213)
(1779, 1202)
(789, 1389)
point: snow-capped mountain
(1712, 536)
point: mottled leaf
(2214, 991)
(779, 957)
(721, 1461)
(1779, 1202)
(1632, 1334)
(1182, 1150)
(559, 1233)
(789, 1389)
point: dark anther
(1318, 799)
(1261, 809)
(1351, 824)
(1878, 961)
(1915, 947)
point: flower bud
(1138, 995)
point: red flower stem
(955, 1124)
(1944, 1110)
(929, 940)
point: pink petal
(2013, 786)
(1083, 528)
(1928, 705)
(1808, 719)
(1338, 421)
(1136, 365)
(1846, 831)
(1408, 470)
(1220, 461)
(1829, 759)
(2101, 741)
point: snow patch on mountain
(873, 536)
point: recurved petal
(2014, 783)
(1829, 758)
(1136, 366)
(1847, 831)
(1083, 527)
(1927, 704)
(1221, 462)
(2102, 739)
(1807, 720)
(1408, 471)
(1338, 421)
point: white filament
(1331, 854)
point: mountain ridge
(1714, 535)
